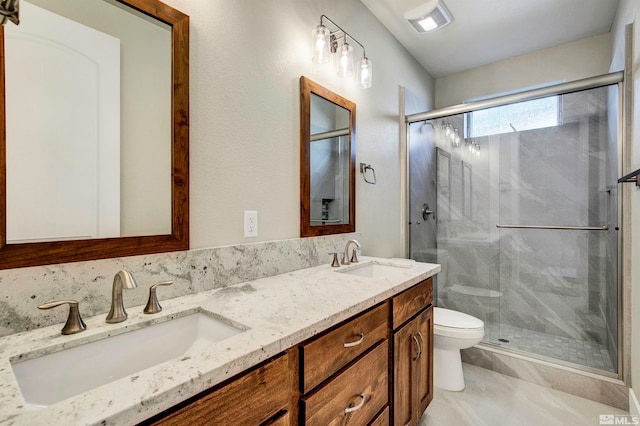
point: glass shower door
(524, 199)
(557, 221)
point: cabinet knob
(351, 409)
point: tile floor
(581, 352)
(493, 399)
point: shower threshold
(580, 354)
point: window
(528, 115)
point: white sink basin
(375, 269)
(57, 376)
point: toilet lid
(454, 319)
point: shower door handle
(426, 212)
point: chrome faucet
(354, 257)
(122, 280)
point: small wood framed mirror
(327, 161)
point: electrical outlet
(250, 223)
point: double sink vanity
(320, 345)
(311, 346)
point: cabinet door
(405, 353)
(424, 363)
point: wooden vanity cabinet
(373, 369)
(262, 396)
(412, 336)
(345, 372)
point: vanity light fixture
(327, 42)
(9, 11)
(474, 147)
(451, 134)
(432, 15)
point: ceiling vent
(430, 16)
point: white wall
(627, 13)
(247, 57)
(571, 61)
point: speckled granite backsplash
(23, 289)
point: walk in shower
(517, 199)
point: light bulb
(456, 137)
(344, 60)
(321, 38)
(365, 72)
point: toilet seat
(456, 324)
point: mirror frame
(308, 87)
(51, 252)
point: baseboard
(634, 406)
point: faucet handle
(153, 306)
(335, 263)
(74, 322)
(354, 256)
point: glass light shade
(344, 60)
(447, 130)
(321, 40)
(365, 73)
(456, 137)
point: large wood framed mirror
(94, 136)
(327, 161)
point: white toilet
(452, 331)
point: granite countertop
(277, 313)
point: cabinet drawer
(329, 353)
(250, 399)
(283, 419)
(368, 377)
(382, 419)
(411, 301)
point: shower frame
(610, 79)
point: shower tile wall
(560, 283)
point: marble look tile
(596, 388)
(494, 399)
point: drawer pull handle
(415, 339)
(423, 344)
(351, 409)
(356, 343)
